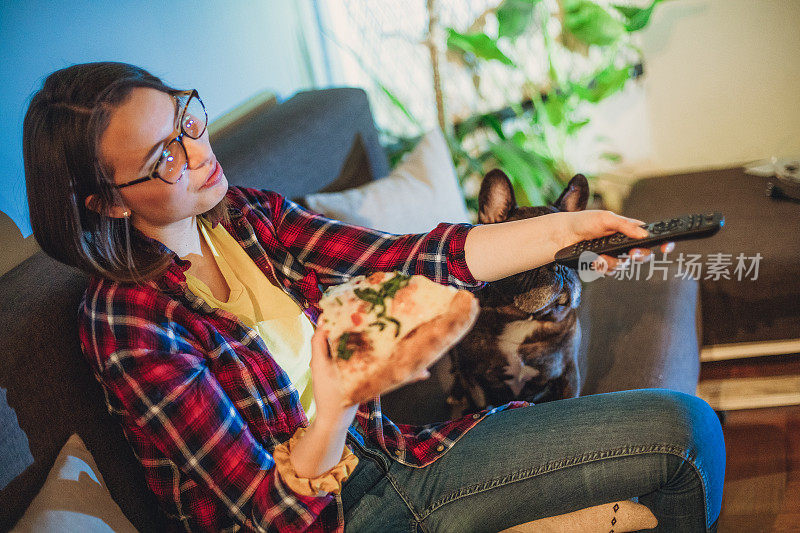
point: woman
(198, 322)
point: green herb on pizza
(342, 351)
(388, 289)
(368, 315)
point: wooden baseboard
(738, 350)
(750, 393)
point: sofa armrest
(639, 334)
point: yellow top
(259, 304)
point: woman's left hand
(594, 223)
(334, 391)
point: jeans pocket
(366, 451)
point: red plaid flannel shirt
(199, 397)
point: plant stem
(548, 43)
(433, 49)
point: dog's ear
(496, 198)
(575, 196)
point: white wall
(229, 50)
(721, 86)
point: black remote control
(674, 229)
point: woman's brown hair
(60, 146)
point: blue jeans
(514, 466)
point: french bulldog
(525, 341)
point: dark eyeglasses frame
(154, 174)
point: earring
(125, 214)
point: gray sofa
(636, 334)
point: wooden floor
(762, 478)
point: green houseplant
(527, 137)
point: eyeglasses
(172, 164)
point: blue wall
(228, 50)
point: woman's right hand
(577, 226)
(330, 389)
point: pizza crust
(440, 316)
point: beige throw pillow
(418, 194)
(74, 497)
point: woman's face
(136, 134)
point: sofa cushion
(418, 194)
(74, 497)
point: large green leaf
(603, 84)
(575, 127)
(478, 44)
(536, 146)
(590, 23)
(494, 123)
(555, 107)
(514, 17)
(636, 18)
(529, 175)
(478, 121)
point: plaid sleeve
(337, 251)
(167, 389)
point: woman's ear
(113, 212)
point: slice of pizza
(387, 326)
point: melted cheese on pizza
(381, 308)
